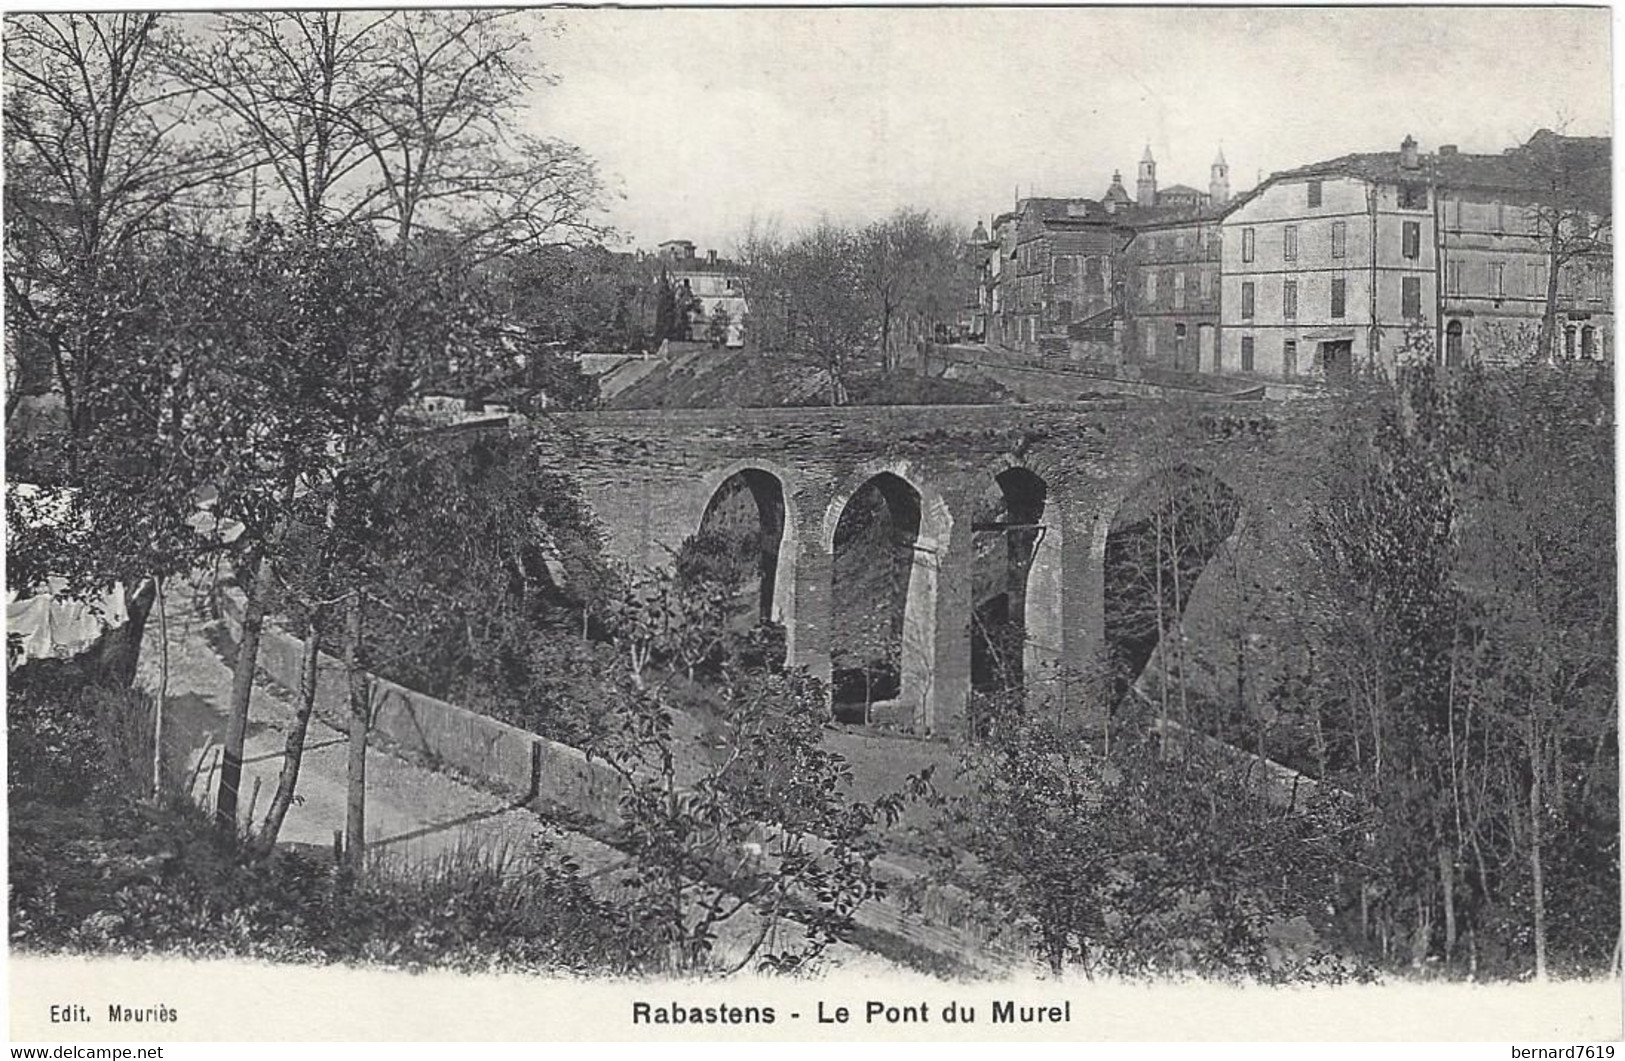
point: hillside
(705, 378)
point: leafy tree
(717, 325)
(1466, 704)
(101, 151)
(764, 833)
(1136, 861)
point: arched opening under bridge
(1162, 538)
(882, 604)
(740, 545)
(1016, 584)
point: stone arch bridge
(1037, 488)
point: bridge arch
(749, 518)
(1157, 536)
(887, 533)
(1018, 533)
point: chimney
(711, 257)
(1447, 149)
(1407, 153)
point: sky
(702, 120)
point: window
(1179, 346)
(1453, 214)
(1538, 271)
(1340, 238)
(1289, 358)
(1500, 219)
(1246, 353)
(1413, 197)
(1064, 269)
(1410, 296)
(1289, 300)
(1314, 193)
(1413, 239)
(1498, 279)
(1339, 297)
(1179, 290)
(1289, 243)
(1179, 241)
(1452, 274)
(1246, 244)
(1151, 288)
(1064, 311)
(1151, 342)
(1247, 300)
(1204, 283)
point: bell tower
(1218, 183)
(1146, 187)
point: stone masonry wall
(648, 475)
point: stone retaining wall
(490, 752)
(917, 916)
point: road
(413, 813)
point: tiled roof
(1586, 163)
(1050, 209)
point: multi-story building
(1056, 277)
(1172, 291)
(706, 285)
(1172, 288)
(1367, 258)
(1494, 226)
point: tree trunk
(1447, 881)
(163, 694)
(355, 815)
(118, 652)
(294, 747)
(1548, 319)
(242, 686)
(1537, 869)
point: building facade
(1172, 292)
(1369, 259)
(711, 287)
(1055, 283)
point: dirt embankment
(708, 378)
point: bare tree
(1570, 215)
(908, 267)
(407, 119)
(816, 281)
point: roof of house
(1180, 189)
(1586, 162)
(1053, 209)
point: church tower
(1146, 189)
(1218, 184)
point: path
(413, 813)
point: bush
(1142, 864)
(94, 870)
